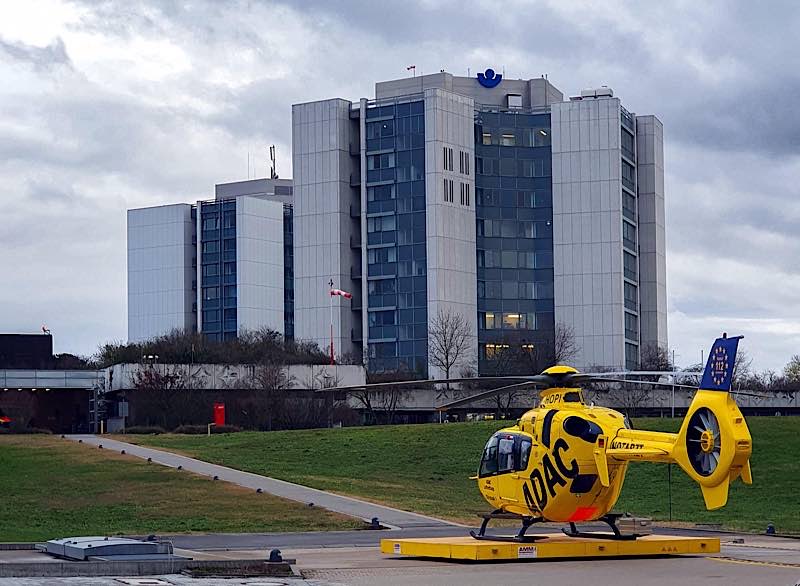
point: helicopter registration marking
(552, 398)
(619, 445)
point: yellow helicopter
(565, 461)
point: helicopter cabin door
(505, 459)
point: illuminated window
(493, 350)
(512, 320)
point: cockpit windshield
(505, 452)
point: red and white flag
(344, 294)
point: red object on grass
(219, 414)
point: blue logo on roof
(489, 78)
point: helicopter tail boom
(713, 446)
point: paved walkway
(393, 518)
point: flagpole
(330, 294)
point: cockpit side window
(489, 460)
(524, 453)
(504, 453)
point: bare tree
(267, 407)
(792, 369)
(565, 346)
(655, 357)
(630, 396)
(741, 368)
(449, 340)
(166, 388)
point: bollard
(770, 529)
(374, 523)
(275, 556)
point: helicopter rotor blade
(536, 378)
(485, 395)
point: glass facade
(629, 238)
(514, 215)
(395, 248)
(288, 271)
(218, 269)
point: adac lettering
(553, 472)
(620, 445)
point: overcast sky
(106, 106)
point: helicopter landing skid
(611, 521)
(520, 537)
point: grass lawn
(50, 487)
(425, 468)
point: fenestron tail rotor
(703, 441)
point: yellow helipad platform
(555, 545)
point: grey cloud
(721, 76)
(41, 58)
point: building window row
(628, 235)
(631, 327)
(628, 205)
(512, 167)
(629, 265)
(384, 161)
(628, 175)
(526, 137)
(511, 198)
(382, 255)
(448, 190)
(382, 224)
(464, 194)
(448, 158)
(515, 290)
(490, 320)
(627, 144)
(514, 229)
(463, 162)
(631, 297)
(512, 259)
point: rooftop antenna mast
(273, 174)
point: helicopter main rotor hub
(707, 441)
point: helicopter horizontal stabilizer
(601, 460)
